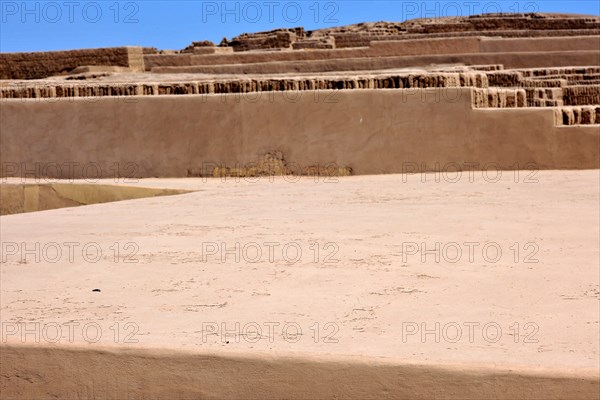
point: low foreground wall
(368, 131)
(90, 373)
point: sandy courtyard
(468, 273)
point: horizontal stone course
(361, 40)
(498, 98)
(383, 81)
(582, 95)
(582, 115)
(509, 60)
(543, 87)
(505, 27)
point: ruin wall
(387, 48)
(44, 64)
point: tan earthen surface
(171, 294)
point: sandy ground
(171, 276)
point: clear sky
(73, 24)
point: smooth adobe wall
(469, 45)
(571, 43)
(371, 131)
(157, 60)
(540, 59)
(425, 47)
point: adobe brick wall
(168, 60)
(44, 64)
(582, 95)
(425, 47)
(544, 87)
(160, 60)
(350, 40)
(370, 131)
(360, 35)
(505, 34)
(491, 45)
(508, 59)
(74, 89)
(388, 48)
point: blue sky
(72, 24)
